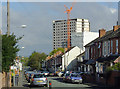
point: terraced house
(103, 52)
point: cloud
(113, 10)
(39, 16)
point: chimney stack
(102, 32)
(116, 27)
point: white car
(39, 79)
(46, 73)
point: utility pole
(8, 28)
(8, 18)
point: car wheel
(31, 86)
(46, 85)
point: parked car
(46, 73)
(66, 77)
(79, 73)
(30, 76)
(27, 74)
(39, 79)
(75, 78)
(60, 74)
(51, 74)
(39, 71)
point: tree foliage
(25, 61)
(35, 60)
(9, 51)
(56, 50)
(114, 67)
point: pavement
(20, 83)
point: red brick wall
(102, 32)
(114, 46)
(90, 53)
(111, 80)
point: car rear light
(32, 79)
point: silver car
(39, 79)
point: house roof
(70, 49)
(108, 59)
(91, 61)
(81, 54)
(109, 35)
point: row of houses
(103, 51)
(99, 54)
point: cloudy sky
(38, 17)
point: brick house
(103, 51)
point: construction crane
(68, 23)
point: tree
(35, 60)
(25, 61)
(56, 50)
(114, 67)
(9, 51)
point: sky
(38, 17)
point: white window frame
(117, 46)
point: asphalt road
(57, 83)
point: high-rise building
(60, 30)
(119, 13)
(80, 39)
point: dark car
(52, 74)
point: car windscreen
(67, 74)
(38, 76)
(75, 75)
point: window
(91, 52)
(111, 46)
(99, 47)
(105, 48)
(116, 46)
(108, 47)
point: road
(57, 83)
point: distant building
(60, 30)
(119, 13)
(80, 39)
(69, 61)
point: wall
(112, 79)
(70, 57)
(89, 36)
(80, 39)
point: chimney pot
(116, 27)
(102, 32)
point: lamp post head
(23, 47)
(23, 26)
